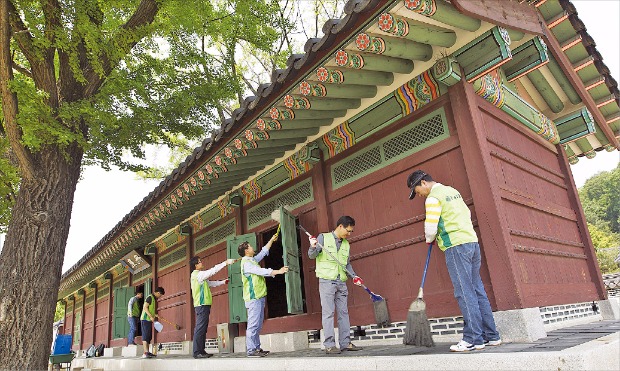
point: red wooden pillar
(94, 287)
(190, 320)
(319, 188)
(589, 251)
(110, 279)
(494, 232)
(155, 262)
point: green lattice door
(236, 304)
(288, 229)
(120, 327)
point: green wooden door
(236, 305)
(77, 327)
(120, 326)
(290, 250)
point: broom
(382, 316)
(418, 330)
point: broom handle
(428, 259)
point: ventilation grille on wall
(295, 197)
(140, 275)
(172, 258)
(216, 236)
(103, 291)
(420, 134)
(90, 298)
(121, 282)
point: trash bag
(90, 352)
(99, 351)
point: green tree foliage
(600, 198)
(60, 312)
(251, 56)
(88, 82)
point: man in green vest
(448, 221)
(201, 294)
(333, 268)
(149, 313)
(255, 292)
(133, 317)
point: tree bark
(31, 276)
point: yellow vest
(152, 309)
(254, 286)
(455, 226)
(201, 292)
(326, 267)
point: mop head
(275, 215)
(418, 330)
(382, 316)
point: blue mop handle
(428, 259)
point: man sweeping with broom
(448, 221)
(332, 276)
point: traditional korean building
(496, 98)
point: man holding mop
(332, 283)
(448, 220)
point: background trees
(600, 198)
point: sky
(103, 198)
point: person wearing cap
(448, 221)
(201, 294)
(333, 267)
(149, 313)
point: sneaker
(203, 355)
(146, 355)
(256, 354)
(332, 350)
(265, 352)
(493, 343)
(351, 347)
(464, 346)
(152, 355)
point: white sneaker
(493, 343)
(464, 346)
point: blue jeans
(464, 267)
(200, 331)
(133, 327)
(256, 315)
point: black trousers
(200, 331)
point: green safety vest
(152, 309)
(200, 291)
(254, 286)
(135, 309)
(326, 267)
(455, 226)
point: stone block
(132, 351)
(285, 342)
(112, 352)
(520, 325)
(239, 345)
(610, 308)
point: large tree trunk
(32, 258)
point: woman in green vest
(201, 293)
(448, 221)
(149, 313)
(332, 269)
(254, 293)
